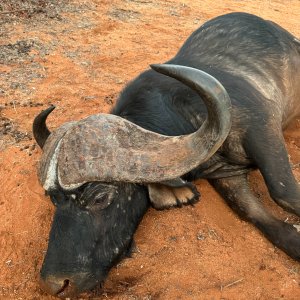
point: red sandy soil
(79, 55)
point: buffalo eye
(102, 199)
(98, 195)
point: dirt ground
(78, 55)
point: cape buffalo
(216, 110)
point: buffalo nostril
(58, 287)
(65, 286)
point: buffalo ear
(172, 193)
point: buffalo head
(100, 173)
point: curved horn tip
(50, 109)
(157, 67)
(45, 112)
(170, 69)
(39, 128)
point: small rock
(200, 237)
(87, 98)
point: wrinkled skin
(87, 238)
(258, 63)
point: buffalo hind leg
(239, 196)
(268, 151)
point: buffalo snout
(92, 230)
(64, 285)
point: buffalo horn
(39, 128)
(109, 148)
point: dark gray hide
(99, 206)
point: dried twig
(231, 284)
(13, 11)
(212, 234)
(14, 106)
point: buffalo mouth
(68, 286)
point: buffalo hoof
(164, 197)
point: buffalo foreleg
(267, 149)
(240, 197)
